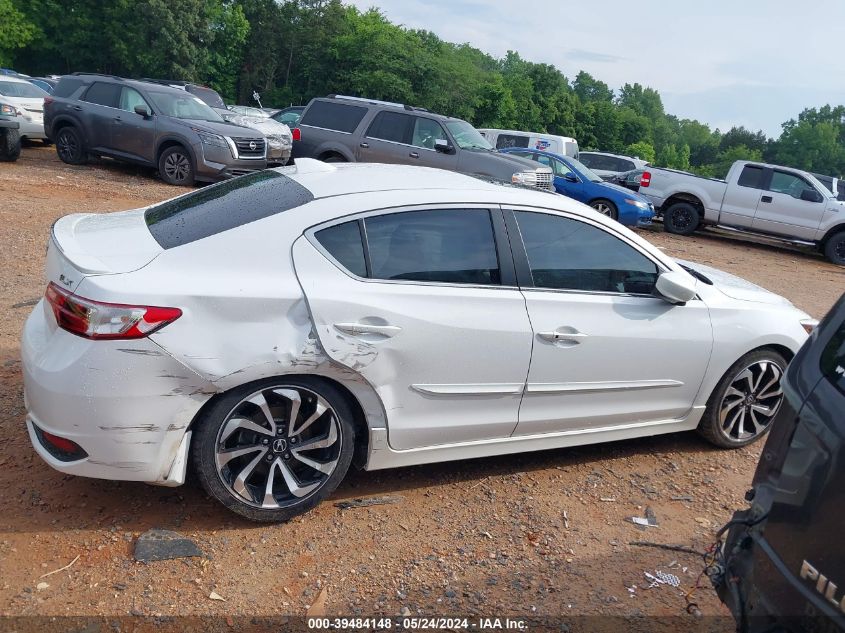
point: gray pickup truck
(351, 129)
(777, 202)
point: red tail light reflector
(296, 134)
(645, 179)
(100, 320)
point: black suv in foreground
(148, 124)
(352, 129)
(783, 566)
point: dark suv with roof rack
(148, 124)
(351, 129)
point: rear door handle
(356, 329)
(574, 338)
(766, 199)
(364, 145)
(77, 108)
(414, 155)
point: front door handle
(356, 329)
(414, 155)
(364, 145)
(77, 108)
(766, 199)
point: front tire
(176, 167)
(745, 402)
(606, 207)
(10, 145)
(681, 219)
(274, 449)
(69, 146)
(834, 248)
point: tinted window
(751, 176)
(391, 126)
(624, 165)
(334, 116)
(588, 159)
(833, 359)
(103, 94)
(209, 96)
(511, 140)
(66, 86)
(790, 184)
(449, 246)
(223, 206)
(426, 132)
(568, 254)
(343, 242)
(129, 98)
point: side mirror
(143, 110)
(442, 145)
(675, 287)
(570, 177)
(811, 195)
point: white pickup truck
(768, 200)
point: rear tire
(334, 158)
(681, 218)
(176, 167)
(834, 248)
(606, 208)
(69, 146)
(10, 145)
(746, 400)
(273, 477)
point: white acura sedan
(272, 329)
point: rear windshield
(333, 116)
(23, 89)
(224, 206)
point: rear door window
(450, 246)
(103, 93)
(511, 140)
(751, 176)
(330, 115)
(391, 126)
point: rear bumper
(30, 129)
(128, 404)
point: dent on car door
(423, 305)
(606, 352)
(782, 210)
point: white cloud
(705, 58)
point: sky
(755, 63)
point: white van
(500, 139)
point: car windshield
(288, 118)
(466, 136)
(585, 171)
(22, 89)
(208, 96)
(182, 105)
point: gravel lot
(540, 533)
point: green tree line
(290, 51)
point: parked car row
(771, 201)
(25, 103)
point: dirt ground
(540, 533)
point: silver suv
(349, 129)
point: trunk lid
(86, 244)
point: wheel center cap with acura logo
(252, 145)
(280, 445)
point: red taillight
(60, 443)
(296, 134)
(48, 100)
(99, 320)
(645, 179)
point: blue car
(574, 180)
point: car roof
(385, 105)
(14, 79)
(524, 133)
